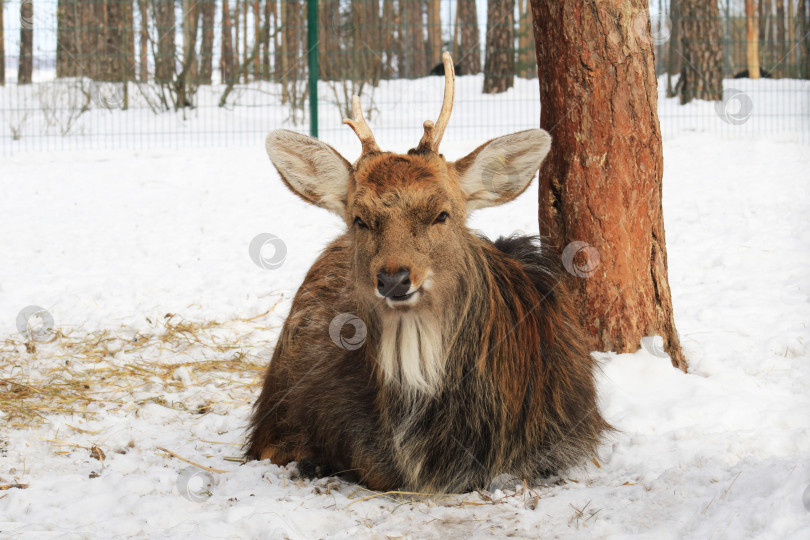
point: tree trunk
(526, 62)
(25, 70)
(434, 49)
(702, 51)
(416, 43)
(143, 52)
(674, 52)
(165, 23)
(781, 45)
(116, 37)
(2, 48)
(469, 56)
(226, 66)
(209, 10)
(601, 184)
(67, 30)
(499, 66)
(269, 18)
(791, 27)
(804, 13)
(752, 50)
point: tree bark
(2, 48)
(143, 52)
(781, 47)
(526, 62)
(601, 183)
(67, 33)
(499, 66)
(674, 53)
(702, 51)
(804, 13)
(227, 62)
(25, 68)
(165, 23)
(752, 49)
(469, 55)
(209, 10)
(116, 50)
(434, 48)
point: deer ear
(312, 169)
(501, 169)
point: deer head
(406, 213)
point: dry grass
(85, 373)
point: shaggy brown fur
(499, 382)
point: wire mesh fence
(172, 73)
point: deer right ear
(312, 169)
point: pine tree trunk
(499, 66)
(389, 32)
(780, 37)
(416, 39)
(209, 10)
(434, 49)
(165, 23)
(601, 184)
(526, 63)
(674, 52)
(257, 38)
(469, 57)
(804, 13)
(791, 28)
(329, 52)
(25, 69)
(269, 14)
(116, 36)
(702, 51)
(2, 48)
(143, 52)
(226, 66)
(67, 30)
(752, 49)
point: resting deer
(472, 365)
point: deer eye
(441, 218)
(360, 223)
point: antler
(433, 133)
(360, 127)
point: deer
(466, 361)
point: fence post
(312, 45)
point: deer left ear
(499, 170)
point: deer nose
(391, 285)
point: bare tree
(701, 51)
(499, 65)
(25, 69)
(600, 187)
(469, 54)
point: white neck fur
(411, 352)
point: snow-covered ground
(163, 323)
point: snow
(111, 242)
